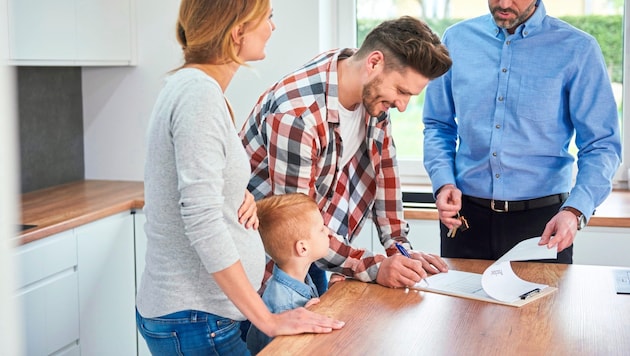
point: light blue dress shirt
(499, 123)
(282, 292)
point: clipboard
(498, 284)
(468, 285)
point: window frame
(412, 171)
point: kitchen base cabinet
(47, 294)
(74, 350)
(106, 263)
(605, 246)
(141, 249)
(365, 239)
(424, 235)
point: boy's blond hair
(282, 222)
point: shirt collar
(332, 93)
(529, 27)
(305, 289)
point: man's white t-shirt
(352, 128)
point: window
(601, 18)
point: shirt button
(504, 70)
(525, 33)
(500, 98)
(494, 154)
(507, 43)
(497, 175)
(498, 126)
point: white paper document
(498, 283)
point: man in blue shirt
(498, 126)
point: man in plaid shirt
(324, 130)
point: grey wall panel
(50, 115)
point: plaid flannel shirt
(293, 140)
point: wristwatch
(581, 220)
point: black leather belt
(502, 206)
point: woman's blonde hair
(283, 221)
(204, 28)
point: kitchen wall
(90, 122)
(117, 102)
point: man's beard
(370, 96)
(519, 19)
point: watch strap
(581, 221)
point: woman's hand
(301, 320)
(233, 281)
(247, 212)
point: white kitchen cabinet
(365, 237)
(106, 266)
(424, 235)
(71, 32)
(77, 289)
(141, 244)
(47, 294)
(604, 246)
(141, 249)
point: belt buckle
(494, 208)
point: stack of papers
(498, 283)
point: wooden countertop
(614, 211)
(67, 206)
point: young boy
(294, 235)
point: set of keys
(463, 227)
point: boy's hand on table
(334, 278)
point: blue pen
(404, 252)
(402, 249)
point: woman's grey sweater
(196, 173)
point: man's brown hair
(408, 42)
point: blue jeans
(192, 332)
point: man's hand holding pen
(401, 271)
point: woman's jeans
(191, 332)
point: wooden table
(584, 316)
